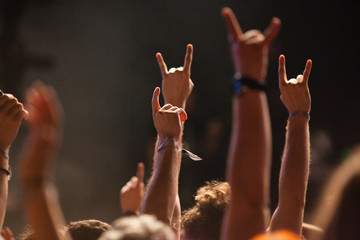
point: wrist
(243, 84)
(4, 154)
(299, 114)
(179, 104)
(257, 76)
(167, 142)
(4, 148)
(163, 138)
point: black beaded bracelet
(242, 84)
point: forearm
(43, 210)
(4, 163)
(162, 189)
(176, 218)
(293, 176)
(3, 196)
(248, 166)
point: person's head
(277, 235)
(203, 220)
(80, 230)
(143, 227)
(87, 229)
(29, 233)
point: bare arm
(41, 200)
(177, 87)
(249, 154)
(295, 162)
(12, 113)
(161, 193)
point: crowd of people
(237, 209)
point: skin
(45, 127)
(132, 193)
(7, 234)
(162, 190)
(12, 113)
(294, 171)
(249, 50)
(177, 87)
(176, 83)
(248, 163)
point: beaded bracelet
(301, 113)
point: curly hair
(143, 227)
(203, 221)
(87, 229)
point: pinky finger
(188, 58)
(182, 113)
(307, 71)
(23, 114)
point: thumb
(155, 100)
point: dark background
(100, 57)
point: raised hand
(7, 234)
(45, 122)
(167, 120)
(250, 50)
(12, 113)
(295, 93)
(132, 193)
(176, 83)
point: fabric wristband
(168, 142)
(242, 84)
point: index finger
(188, 58)
(155, 100)
(282, 71)
(162, 65)
(307, 71)
(234, 29)
(140, 172)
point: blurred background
(100, 57)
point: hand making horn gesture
(295, 93)
(176, 83)
(250, 50)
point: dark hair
(87, 229)
(203, 221)
(28, 234)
